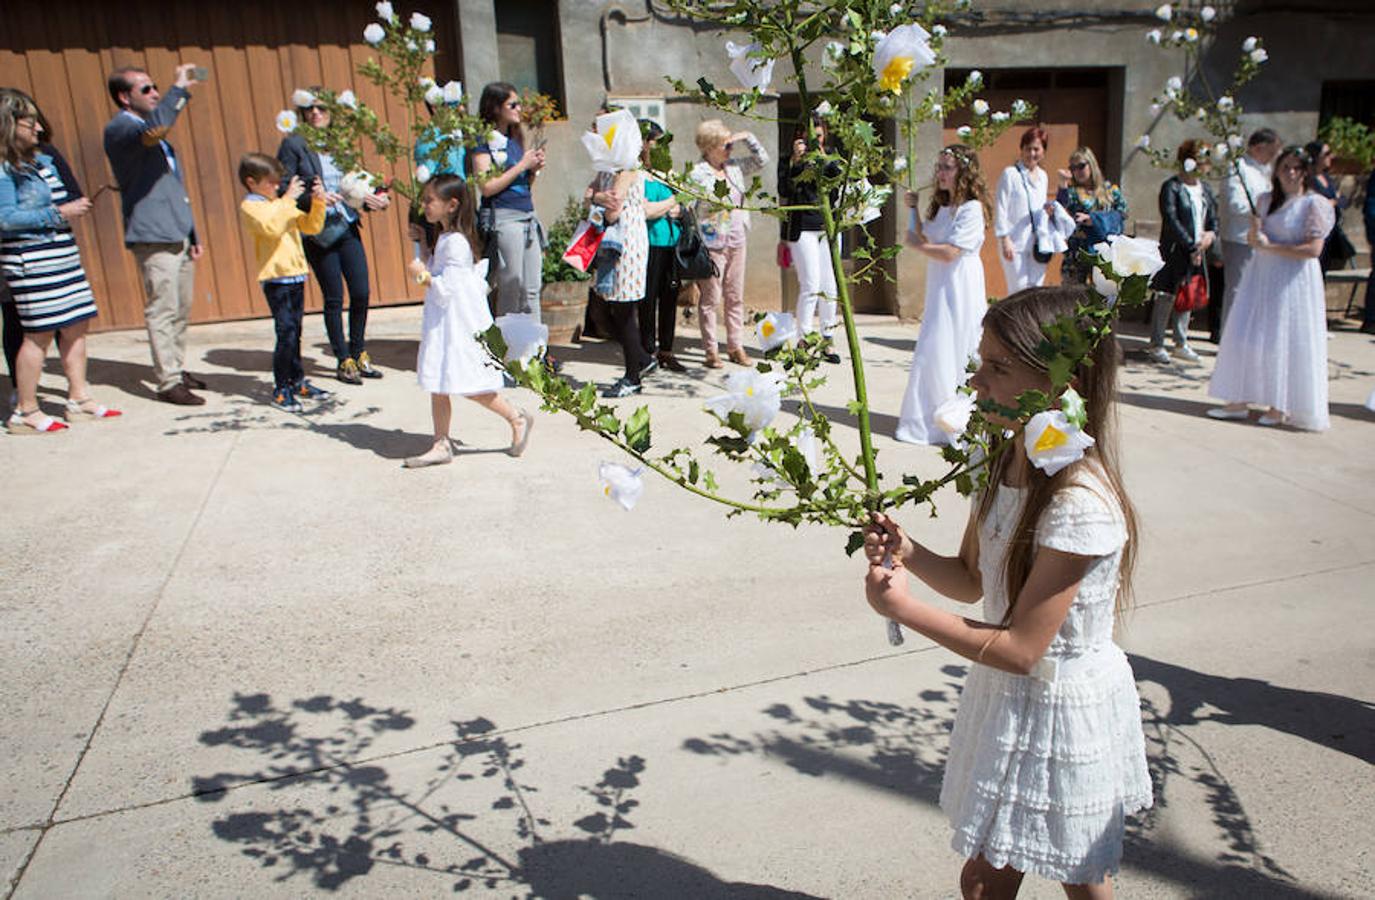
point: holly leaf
(855, 541)
(637, 430)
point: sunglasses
(514, 104)
(316, 108)
(1075, 167)
(148, 89)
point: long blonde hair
(14, 105)
(1097, 187)
(1016, 323)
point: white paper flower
(823, 108)
(810, 448)
(1155, 109)
(621, 483)
(895, 9)
(1176, 36)
(1250, 44)
(899, 164)
(453, 91)
(420, 22)
(1370, 402)
(752, 71)
(354, 187)
(429, 45)
(939, 31)
(524, 334)
(1144, 142)
(835, 51)
(1052, 442)
(980, 107)
(300, 98)
(423, 173)
(999, 116)
(616, 143)
(964, 131)
(900, 53)
(1220, 150)
(374, 34)
(1163, 12)
(1154, 35)
(1191, 35)
(937, 109)
(1174, 84)
(1259, 55)
(776, 329)
(1190, 165)
(434, 95)
(286, 121)
(1020, 107)
(1072, 405)
(411, 45)
(497, 140)
(1131, 256)
(425, 82)
(347, 99)
(1225, 103)
(1236, 141)
(756, 395)
(385, 11)
(952, 416)
(1207, 14)
(1103, 284)
(975, 77)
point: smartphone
(200, 73)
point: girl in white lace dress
(1047, 757)
(955, 295)
(451, 361)
(1274, 348)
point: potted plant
(563, 297)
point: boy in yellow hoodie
(276, 224)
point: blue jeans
(288, 305)
(345, 261)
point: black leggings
(660, 303)
(344, 261)
(625, 329)
(14, 336)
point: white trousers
(1022, 271)
(816, 282)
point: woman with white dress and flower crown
(1047, 757)
(955, 296)
(1274, 348)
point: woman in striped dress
(42, 267)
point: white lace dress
(451, 361)
(1274, 345)
(950, 325)
(1044, 768)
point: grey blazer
(153, 196)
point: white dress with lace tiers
(1045, 768)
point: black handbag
(1041, 256)
(690, 255)
(336, 226)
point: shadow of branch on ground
(454, 821)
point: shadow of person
(572, 869)
(393, 353)
(1339, 723)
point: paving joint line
(52, 821)
(610, 711)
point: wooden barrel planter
(562, 307)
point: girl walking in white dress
(1274, 348)
(955, 295)
(1047, 756)
(451, 361)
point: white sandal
(77, 409)
(18, 424)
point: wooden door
(258, 52)
(1073, 109)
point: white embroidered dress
(451, 361)
(1044, 768)
(950, 325)
(1274, 346)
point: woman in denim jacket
(42, 268)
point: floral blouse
(1077, 200)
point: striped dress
(44, 273)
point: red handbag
(583, 248)
(1192, 293)
(784, 255)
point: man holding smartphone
(158, 226)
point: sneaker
(308, 391)
(621, 388)
(283, 400)
(348, 372)
(1158, 354)
(1186, 352)
(650, 367)
(670, 362)
(365, 366)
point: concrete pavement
(247, 654)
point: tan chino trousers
(169, 285)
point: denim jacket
(26, 201)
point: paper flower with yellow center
(752, 71)
(286, 121)
(614, 145)
(525, 336)
(1053, 442)
(776, 329)
(756, 396)
(900, 52)
(621, 483)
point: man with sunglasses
(158, 227)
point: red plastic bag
(583, 247)
(1192, 293)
